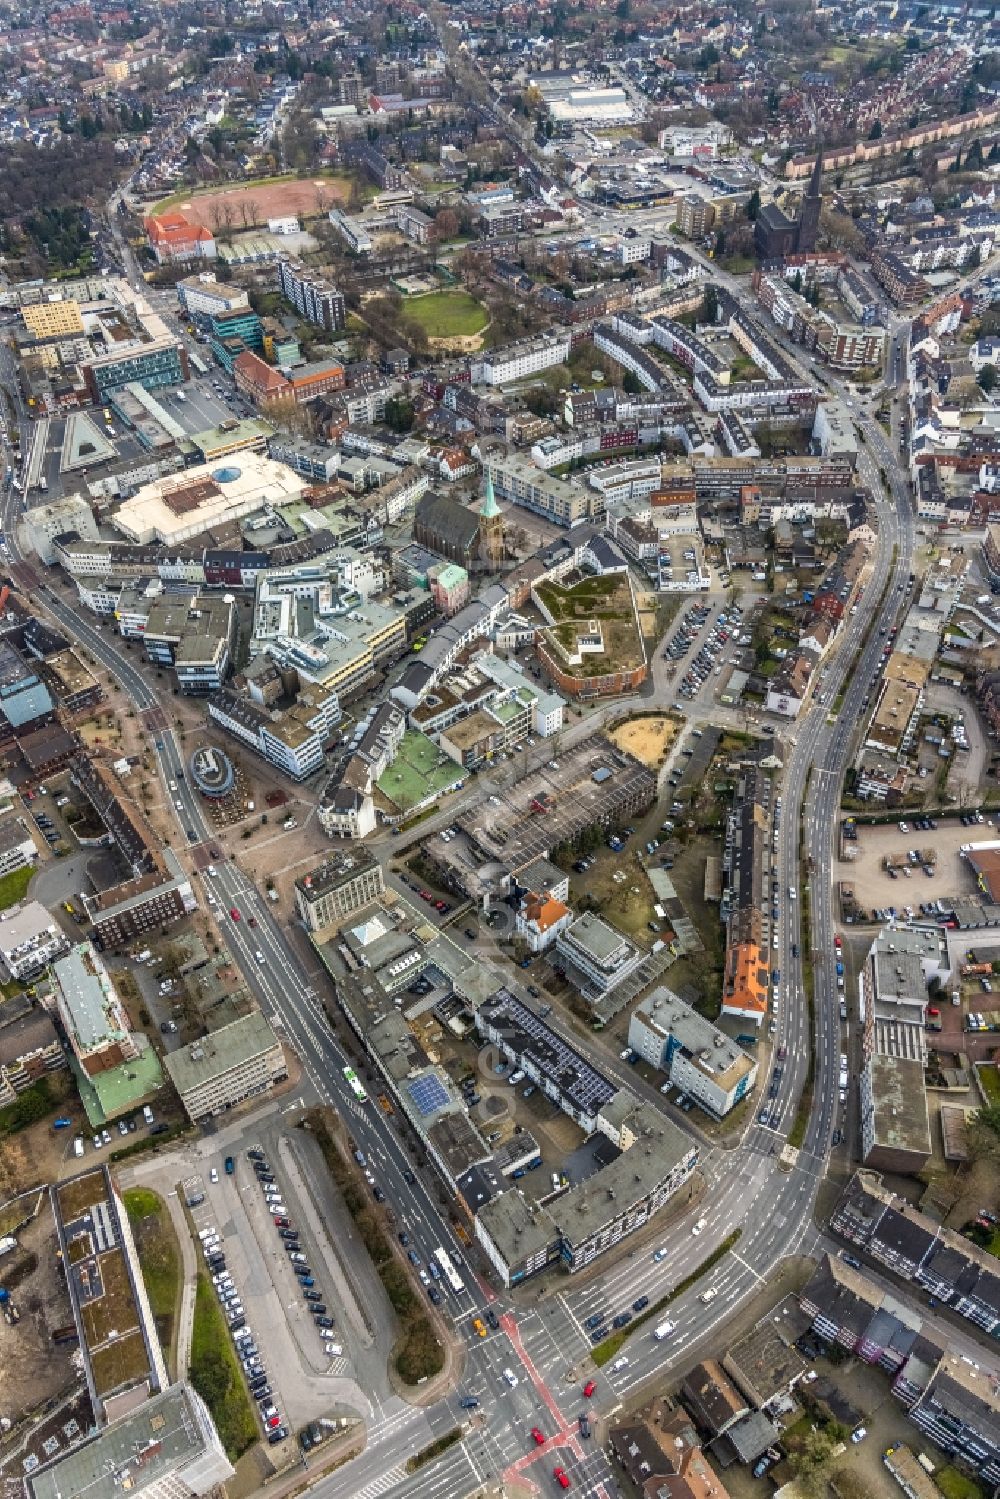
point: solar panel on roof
(428, 1093)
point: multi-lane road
(757, 1187)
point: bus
(354, 1083)
(197, 362)
(448, 1270)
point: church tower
(490, 530)
(808, 230)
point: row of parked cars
(289, 1236)
(686, 631)
(244, 1342)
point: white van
(78, 1146)
(147, 1114)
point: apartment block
(240, 1061)
(597, 955)
(314, 298)
(29, 940)
(697, 1057)
(29, 1046)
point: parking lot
(874, 887)
(294, 1315)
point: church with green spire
(491, 541)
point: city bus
(354, 1083)
(448, 1270)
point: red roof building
(173, 237)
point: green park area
(216, 1375)
(14, 886)
(448, 314)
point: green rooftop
(419, 773)
(110, 1094)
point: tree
(753, 205)
(446, 224)
(709, 304)
(399, 414)
(875, 133)
(812, 1459)
(631, 384)
(988, 377)
(983, 1133)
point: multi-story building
(45, 522)
(158, 362)
(91, 1011)
(698, 1058)
(241, 1060)
(307, 381)
(517, 361)
(695, 216)
(352, 231)
(195, 636)
(29, 940)
(17, 847)
(173, 238)
(292, 739)
(202, 297)
(167, 1447)
(540, 919)
(414, 224)
(345, 883)
(233, 333)
(58, 318)
(146, 903)
(517, 479)
(29, 1046)
(597, 955)
(314, 298)
(259, 381)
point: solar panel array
(585, 1087)
(428, 1093)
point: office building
(202, 298)
(146, 903)
(242, 1060)
(157, 362)
(597, 955)
(166, 1449)
(345, 883)
(59, 318)
(291, 738)
(699, 1059)
(194, 635)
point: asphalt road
(545, 1344)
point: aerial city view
(500, 749)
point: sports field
(251, 204)
(448, 314)
(648, 739)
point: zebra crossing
(381, 1484)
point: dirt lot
(874, 888)
(648, 739)
(39, 1153)
(32, 1368)
(246, 207)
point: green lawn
(956, 1485)
(14, 886)
(217, 1376)
(159, 1255)
(990, 1079)
(447, 314)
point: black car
(254, 1154)
(303, 1271)
(598, 1335)
(311, 1295)
(492, 1318)
(409, 1176)
(277, 1435)
(378, 1194)
(324, 1321)
(319, 1310)
(264, 1393)
(237, 1323)
(403, 1238)
(265, 1178)
(584, 1421)
(594, 1320)
(622, 1320)
(288, 1233)
(643, 1301)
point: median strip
(434, 1449)
(607, 1349)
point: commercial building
(92, 1013)
(181, 506)
(705, 1063)
(167, 1449)
(29, 940)
(240, 1061)
(290, 738)
(345, 883)
(202, 297)
(195, 636)
(60, 518)
(153, 364)
(314, 298)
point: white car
(791, 892)
(213, 1175)
(511, 1378)
(658, 1255)
(859, 1435)
(333, 1350)
(619, 1364)
(700, 1226)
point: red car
(439, 905)
(282, 1223)
(538, 1435)
(931, 1010)
(589, 1388)
(273, 1421)
(837, 942)
(560, 1477)
(234, 913)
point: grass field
(990, 1079)
(217, 1376)
(13, 886)
(159, 1255)
(448, 314)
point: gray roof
(217, 1054)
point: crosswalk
(381, 1484)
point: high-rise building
(315, 298)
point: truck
(663, 1330)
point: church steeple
(491, 541)
(489, 509)
(812, 204)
